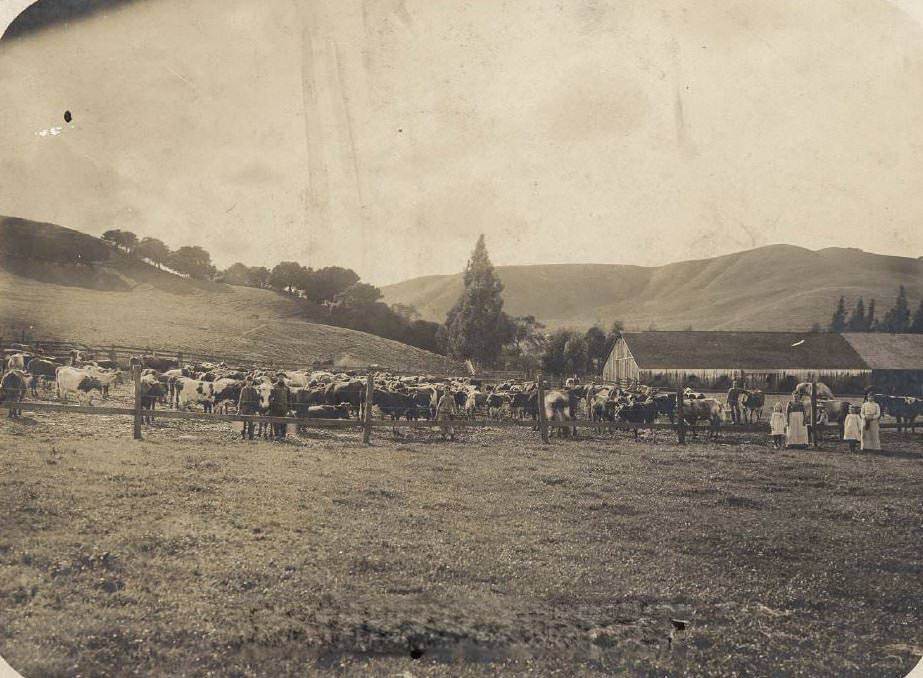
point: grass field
(191, 552)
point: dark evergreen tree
(856, 322)
(897, 319)
(871, 322)
(476, 326)
(838, 322)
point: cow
(305, 398)
(904, 409)
(43, 371)
(18, 361)
(474, 401)
(666, 405)
(341, 411)
(152, 391)
(193, 391)
(226, 391)
(561, 406)
(105, 377)
(637, 411)
(752, 403)
(77, 380)
(524, 404)
(803, 391)
(352, 392)
(12, 391)
(703, 409)
(394, 404)
(496, 404)
(159, 364)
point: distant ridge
(776, 287)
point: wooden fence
(367, 423)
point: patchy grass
(192, 552)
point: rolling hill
(126, 301)
(778, 287)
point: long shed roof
(742, 350)
(882, 351)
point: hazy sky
(386, 135)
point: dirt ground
(192, 552)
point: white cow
(192, 391)
(297, 378)
(76, 380)
(17, 361)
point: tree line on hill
(333, 295)
(897, 320)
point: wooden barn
(771, 361)
(896, 360)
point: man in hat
(734, 394)
(248, 403)
(278, 405)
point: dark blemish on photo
(67, 116)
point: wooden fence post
(136, 378)
(179, 359)
(680, 417)
(367, 410)
(112, 353)
(814, 412)
(542, 422)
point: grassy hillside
(124, 301)
(770, 288)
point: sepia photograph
(408, 338)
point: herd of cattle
(329, 395)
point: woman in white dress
(870, 413)
(796, 434)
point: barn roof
(742, 350)
(882, 351)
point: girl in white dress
(852, 427)
(777, 426)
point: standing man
(734, 394)
(248, 403)
(278, 405)
(445, 410)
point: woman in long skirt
(796, 433)
(870, 413)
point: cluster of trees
(333, 294)
(898, 319)
(569, 352)
(477, 329)
(190, 260)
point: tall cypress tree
(476, 326)
(856, 321)
(871, 322)
(838, 322)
